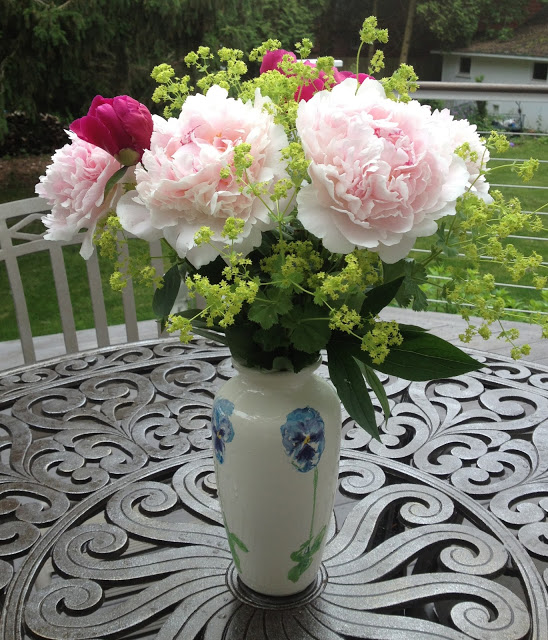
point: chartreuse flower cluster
(477, 239)
(293, 272)
(112, 243)
(228, 70)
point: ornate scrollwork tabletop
(110, 527)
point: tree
(56, 55)
(459, 21)
(408, 31)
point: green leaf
(244, 349)
(213, 270)
(423, 356)
(420, 301)
(318, 540)
(414, 276)
(351, 300)
(237, 542)
(233, 542)
(164, 297)
(263, 312)
(267, 306)
(282, 363)
(297, 571)
(302, 553)
(377, 388)
(114, 178)
(380, 297)
(347, 377)
(441, 242)
(210, 335)
(271, 339)
(407, 328)
(309, 331)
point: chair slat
(17, 290)
(157, 262)
(63, 297)
(98, 301)
(128, 299)
(21, 309)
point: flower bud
(121, 126)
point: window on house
(465, 65)
(540, 71)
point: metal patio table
(110, 527)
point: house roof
(530, 40)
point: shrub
(26, 135)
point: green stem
(314, 502)
(431, 257)
(358, 63)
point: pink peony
(272, 59)
(74, 186)
(382, 172)
(179, 184)
(121, 125)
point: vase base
(263, 601)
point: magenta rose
(272, 60)
(121, 126)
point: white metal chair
(16, 241)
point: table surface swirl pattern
(110, 527)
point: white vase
(276, 441)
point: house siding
(505, 70)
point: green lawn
(42, 301)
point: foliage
(459, 21)
(55, 55)
(247, 23)
(26, 135)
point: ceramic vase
(276, 442)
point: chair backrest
(21, 234)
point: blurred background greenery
(56, 55)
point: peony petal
(135, 217)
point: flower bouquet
(289, 204)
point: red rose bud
(121, 126)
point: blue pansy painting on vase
(303, 438)
(221, 425)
